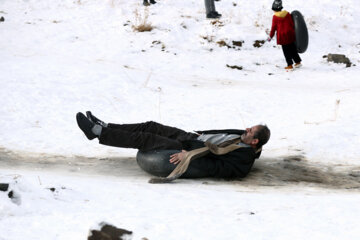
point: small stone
(114, 232)
(15, 197)
(258, 43)
(108, 232)
(4, 187)
(237, 43)
(97, 235)
(234, 67)
(338, 58)
(2, 19)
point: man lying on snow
(226, 153)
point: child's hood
(281, 14)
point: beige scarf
(221, 149)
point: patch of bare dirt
(296, 170)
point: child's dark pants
(290, 53)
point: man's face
(248, 136)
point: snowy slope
(60, 57)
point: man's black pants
(144, 136)
(291, 53)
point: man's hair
(263, 134)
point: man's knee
(152, 125)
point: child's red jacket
(283, 24)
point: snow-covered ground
(186, 210)
(63, 56)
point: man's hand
(178, 157)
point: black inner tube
(157, 163)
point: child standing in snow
(283, 24)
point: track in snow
(290, 171)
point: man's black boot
(146, 3)
(95, 120)
(85, 125)
(152, 1)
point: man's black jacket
(234, 164)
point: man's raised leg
(155, 128)
(143, 141)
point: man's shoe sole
(90, 116)
(85, 125)
(94, 119)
